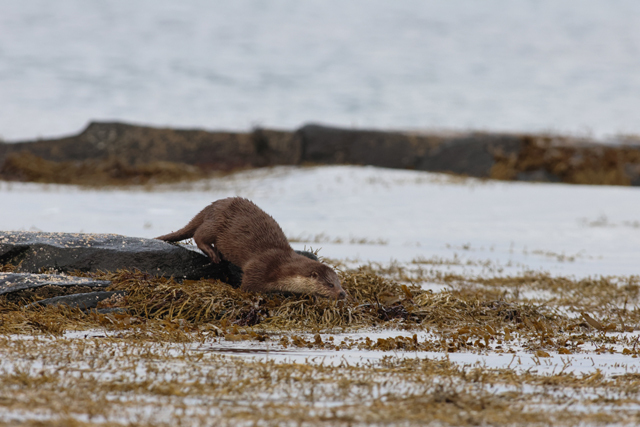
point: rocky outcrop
(70, 291)
(83, 301)
(327, 145)
(135, 145)
(471, 155)
(467, 154)
(32, 252)
(14, 282)
(117, 154)
(521, 157)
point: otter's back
(242, 230)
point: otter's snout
(342, 295)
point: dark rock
(4, 150)
(138, 145)
(473, 154)
(633, 172)
(66, 252)
(276, 147)
(82, 301)
(539, 175)
(328, 145)
(13, 282)
(115, 310)
(543, 158)
(470, 154)
(131, 154)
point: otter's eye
(330, 285)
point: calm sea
(517, 65)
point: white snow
(568, 230)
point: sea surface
(570, 66)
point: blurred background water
(570, 66)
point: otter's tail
(185, 232)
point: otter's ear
(314, 274)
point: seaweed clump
(373, 302)
(556, 159)
(25, 166)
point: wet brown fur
(248, 237)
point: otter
(248, 237)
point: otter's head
(312, 277)
(327, 282)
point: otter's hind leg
(204, 240)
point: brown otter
(248, 237)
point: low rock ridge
(33, 252)
(120, 151)
(30, 253)
(15, 282)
